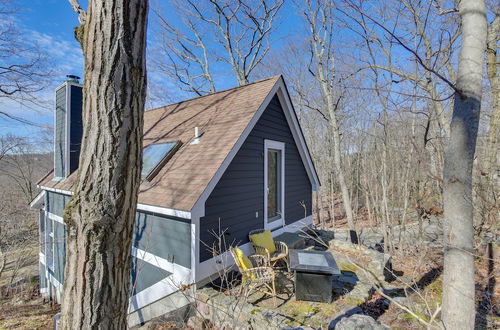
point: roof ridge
(222, 91)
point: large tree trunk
(337, 162)
(101, 213)
(458, 277)
(492, 155)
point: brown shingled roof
(221, 118)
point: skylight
(155, 156)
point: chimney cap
(73, 78)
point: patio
(351, 290)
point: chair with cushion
(263, 244)
(255, 273)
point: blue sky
(50, 24)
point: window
(49, 240)
(274, 185)
(155, 156)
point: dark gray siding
(76, 130)
(59, 250)
(55, 203)
(240, 192)
(42, 279)
(41, 226)
(49, 247)
(145, 275)
(168, 238)
(60, 133)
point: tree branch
(82, 15)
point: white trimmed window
(274, 184)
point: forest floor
(33, 314)
(21, 265)
(21, 306)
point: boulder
(359, 322)
(373, 241)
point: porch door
(274, 184)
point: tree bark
(337, 162)
(458, 276)
(492, 155)
(100, 215)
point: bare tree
(458, 275)
(24, 67)
(492, 155)
(428, 34)
(100, 215)
(22, 163)
(223, 32)
(319, 17)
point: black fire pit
(314, 271)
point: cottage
(215, 167)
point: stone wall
(230, 311)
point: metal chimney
(68, 127)
(196, 135)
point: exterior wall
(59, 258)
(55, 203)
(145, 275)
(42, 260)
(168, 238)
(161, 253)
(43, 279)
(237, 202)
(53, 248)
(161, 259)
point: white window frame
(276, 145)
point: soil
(33, 314)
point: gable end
(236, 205)
(279, 90)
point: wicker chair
(281, 253)
(261, 277)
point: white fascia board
(216, 266)
(59, 191)
(37, 202)
(164, 210)
(300, 141)
(142, 207)
(279, 88)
